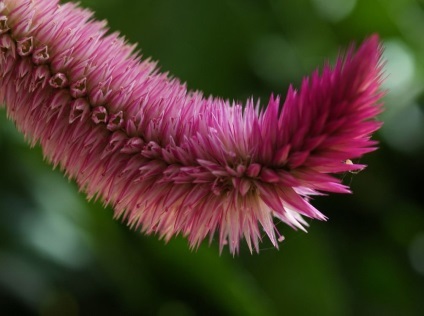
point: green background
(61, 255)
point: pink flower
(169, 160)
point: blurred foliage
(61, 255)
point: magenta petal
(25, 46)
(79, 88)
(3, 25)
(80, 109)
(40, 56)
(116, 121)
(58, 81)
(99, 115)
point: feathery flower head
(169, 160)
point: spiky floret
(167, 159)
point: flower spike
(169, 160)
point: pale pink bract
(169, 160)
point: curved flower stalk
(167, 159)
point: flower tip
(374, 38)
(372, 46)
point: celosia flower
(169, 160)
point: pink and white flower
(169, 160)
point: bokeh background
(62, 255)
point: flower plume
(169, 160)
